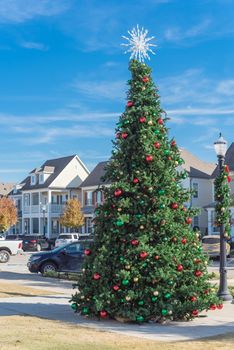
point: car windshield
(65, 237)
(210, 240)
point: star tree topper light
(138, 44)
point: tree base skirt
(123, 320)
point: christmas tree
(146, 262)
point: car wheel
(4, 256)
(38, 247)
(48, 267)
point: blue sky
(63, 75)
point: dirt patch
(8, 290)
(30, 333)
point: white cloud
(33, 45)
(177, 34)
(226, 87)
(113, 90)
(19, 11)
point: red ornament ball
(193, 299)
(183, 240)
(180, 267)
(174, 206)
(124, 135)
(130, 104)
(157, 145)
(173, 143)
(219, 306)
(116, 288)
(134, 242)
(118, 192)
(160, 121)
(142, 119)
(195, 313)
(213, 307)
(143, 255)
(96, 276)
(197, 273)
(189, 221)
(156, 257)
(103, 313)
(145, 79)
(149, 158)
(135, 180)
(87, 252)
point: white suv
(65, 238)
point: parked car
(66, 258)
(65, 238)
(8, 248)
(14, 237)
(35, 243)
(2, 237)
(211, 245)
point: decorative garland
(223, 201)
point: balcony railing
(57, 208)
(35, 209)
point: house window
(195, 190)
(213, 221)
(89, 198)
(27, 226)
(35, 225)
(35, 198)
(41, 178)
(55, 227)
(33, 179)
(98, 197)
(26, 199)
(88, 225)
(196, 221)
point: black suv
(66, 258)
(35, 243)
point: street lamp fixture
(220, 147)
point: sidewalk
(57, 308)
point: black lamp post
(43, 211)
(220, 148)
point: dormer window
(41, 178)
(33, 179)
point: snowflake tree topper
(138, 44)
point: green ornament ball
(142, 202)
(85, 310)
(164, 312)
(166, 152)
(119, 223)
(141, 302)
(167, 295)
(138, 216)
(161, 192)
(74, 306)
(156, 132)
(140, 319)
(162, 206)
(180, 161)
(125, 282)
(170, 283)
(154, 299)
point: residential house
(41, 197)
(5, 188)
(198, 180)
(210, 207)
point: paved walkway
(56, 307)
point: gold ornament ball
(156, 293)
(119, 209)
(142, 227)
(137, 172)
(150, 122)
(128, 298)
(136, 279)
(82, 297)
(127, 267)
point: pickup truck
(8, 248)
